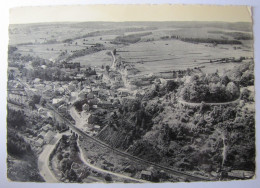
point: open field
(47, 51)
(96, 59)
(160, 56)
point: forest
(201, 138)
(213, 88)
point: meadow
(152, 54)
(161, 56)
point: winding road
(106, 171)
(78, 120)
(43, 161)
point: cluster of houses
(44, 136)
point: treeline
(85, 51)
(133, 38)
(203, 40)
(235, 35)
(109, 32)
(48, 74)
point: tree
(185, 94)
(114, 51)
(108, 178)
(171, 85)
(225, 80)
(247, 78)
(107, 68)
(233, 90)
(245, 94)
(72, 176)
(42, 102)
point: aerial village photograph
(130, 101)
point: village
(133, 104)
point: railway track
(181, 175)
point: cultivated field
(160, 56)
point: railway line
(181, 175)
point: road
(114, 59)
(43, 161)
(106, 171)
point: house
(93, 101)
(90, 96)
(57, 101)
(45, 129)
(49, 126)
(49, 136)
(62, 108)
(123, 93)
(71, 87)
(82, 95)
(95, 91)
(241, 174)
(86, 107)
(42, 111)
(79, 77)
(146, 175)
(41, 135)
(105, 104)
(96, 127)
(37, 80)
(72, 65)
(39, 142)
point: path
(181, 101)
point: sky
(119, 13)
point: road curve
(106, 171)
(77, 119)
(43, 161)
